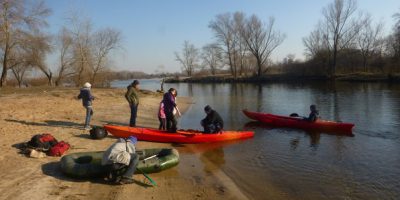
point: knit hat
(132, 139)
(207, 108)
(135, 82)
(87, 85)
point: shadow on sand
(53, 169)
(52, 123)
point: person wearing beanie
(121, 159)
(87, 99)
(213, 122)
(132, 96)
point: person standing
(132, 97)
(162, 117)
(169, 107)
(87, 99)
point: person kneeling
(121, 159)
(213, 122)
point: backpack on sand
(59, 149)
(42, 142)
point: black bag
(98, 133)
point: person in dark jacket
(213, 122)
(314, 114)
(169, 107)
(87, 99)
(132, 97)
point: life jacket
(59, 149)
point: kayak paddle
(148, 177)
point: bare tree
(36, 49)
(315, 43)
(395, 37)
(212, 57)
(19, 73)
(189, 58)
(224, 32)
(65, 42)
(18, 64)
(104, 41)
(261, 40)
(240, 47)
(369, 40)
(19, 18)
(341, 27)
(82, 54)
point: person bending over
(213, 122)
(121, 159)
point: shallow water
(293, 164)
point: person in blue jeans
(122, 154)
(132, 97)
(87, 99)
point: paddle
(148, 177)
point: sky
(152, 30)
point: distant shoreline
(356, 77)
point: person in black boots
(132, 97)
(213, 122)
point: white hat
(87, 85)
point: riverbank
(359, 77)
(29, 111)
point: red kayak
(182, 136)
(296, 122)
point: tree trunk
(3, 80)
(333, 67)
(259, 72)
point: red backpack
(59, 149)
(42, 142)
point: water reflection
(213, 160)
(292, 161)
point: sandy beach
(29, 111)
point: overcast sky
(153, 30)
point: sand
(25, 112)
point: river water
(283, 163)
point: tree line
(345, 40)
(83, 52)
(243, 43)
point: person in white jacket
(122, 154)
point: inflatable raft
(88, 164)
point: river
(283, 163)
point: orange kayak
(182, 136)
(296, 122)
